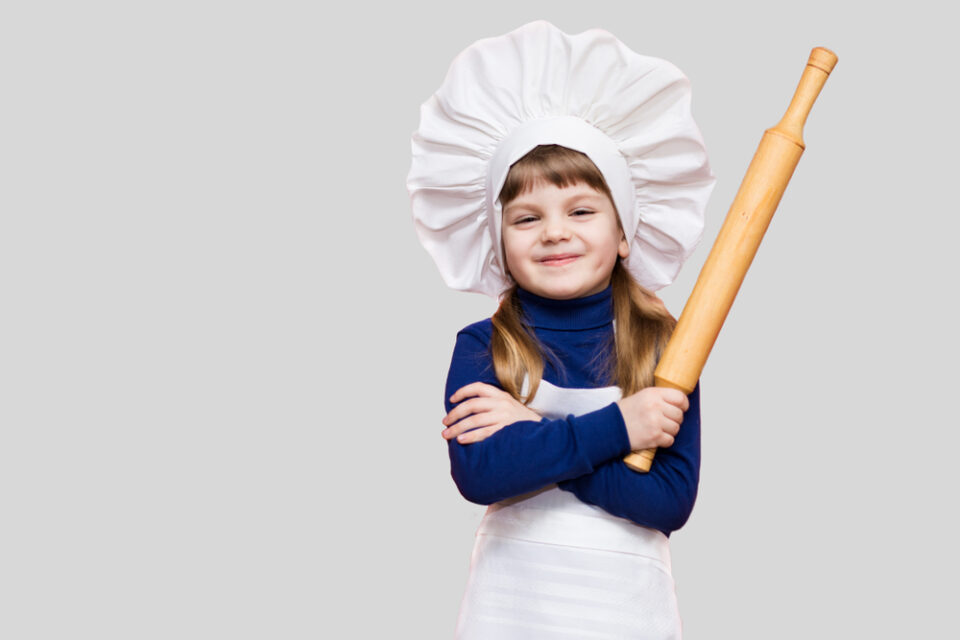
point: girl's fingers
(673, 413)
(671, 427)
(474, 421)
(452, 432)
(475, 389)
(486, 406)
(676, 398)
(464, 409)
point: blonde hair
(643, 324)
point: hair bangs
(554, 164)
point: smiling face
(562, 242)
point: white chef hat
(503, 96)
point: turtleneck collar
(579, 313)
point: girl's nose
(555, 231)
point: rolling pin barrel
(736, 244)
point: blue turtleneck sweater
(581, 454)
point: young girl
(564, 216)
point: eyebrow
(522, 201)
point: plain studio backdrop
(223, 349)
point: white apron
(546, 565)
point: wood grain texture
(737, 242)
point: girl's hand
(653, 416)
(488, 410)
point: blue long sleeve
(581, 454)
(661, 499)
(526, 455)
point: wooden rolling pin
(736, 244)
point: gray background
(223, 349)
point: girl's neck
(579, 313)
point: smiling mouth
(558, 261)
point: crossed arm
(499, 448)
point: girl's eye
(524, 219)
(582, 212)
